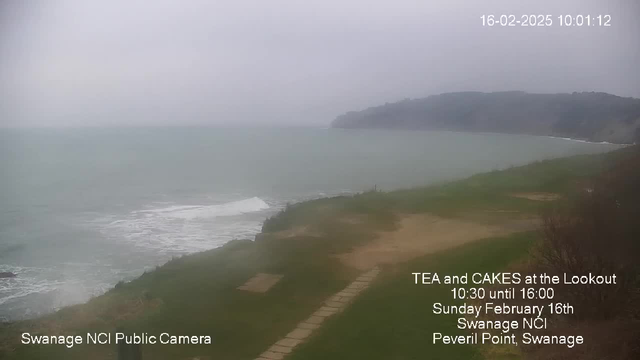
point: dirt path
(423, 234)
(537, 196)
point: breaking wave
(183, 229)
(210, 211)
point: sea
(84, 208)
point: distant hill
(590, 116)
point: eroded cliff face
(589, 116)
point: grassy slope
(196, 294)
(393, 319)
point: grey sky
(134, 62)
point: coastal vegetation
(590, 116)
(486, 223)
(594, 236)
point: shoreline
(258, 234)
(585, 141)
(300, 247)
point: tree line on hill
(588, 115)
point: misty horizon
(77, 64)
(247, 179)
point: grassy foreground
(196, 294)
(394, 319)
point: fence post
(129, 351)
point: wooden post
(129, 351)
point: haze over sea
(81, 209)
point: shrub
(600, 234)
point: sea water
(81, 209)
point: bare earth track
(423, 234)
(537, 196)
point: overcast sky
(159, 62)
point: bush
(600, 234)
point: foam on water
(22, 295)
(151, 236)
(209, 211)
(180, 229)
(24, 284)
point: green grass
(196, 294)
(491, 190)
(394, 320)
(197, 297)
